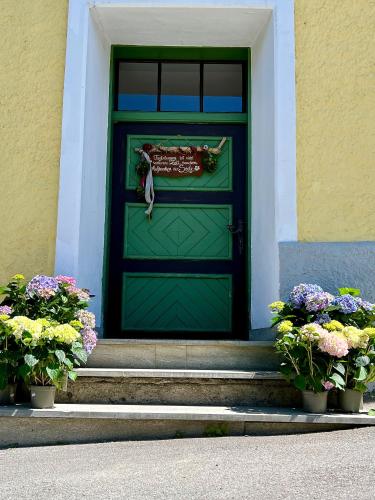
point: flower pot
(42, 396)
(351, 401)
(314, 402)
(7, 395)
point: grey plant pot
(314, 402)
(351, 401)
(7, 395)
(42, 396)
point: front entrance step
(185, 354)
(180, 387)
(68, 423)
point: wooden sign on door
(176, 164)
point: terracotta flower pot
(351, 401)
(42, 396)
(314, 402)
(7, 395)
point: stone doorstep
(177, 373)
(187, 413)
(184, 354)
(191, 387)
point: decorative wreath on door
(172, 161)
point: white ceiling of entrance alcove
(215, 27)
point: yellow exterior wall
(335, 60)
(32, 57)
(335, 75)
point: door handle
(238, 230)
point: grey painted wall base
(330, 265)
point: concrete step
(179, 387)
(186, 354)
(76, 423)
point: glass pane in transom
(180, 83)
(222, 88)
(137, 86)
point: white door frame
(267, 26)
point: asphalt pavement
(332, 465)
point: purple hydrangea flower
(82, 294)
(42, 286)
(86, 318)
(322, 318)
(6, 310)
(299, 293)
(89, 339)
(346, 304)
(367, 306)
(318, 301)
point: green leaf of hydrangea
(53, 373)
(337, 380)
(362, 361)
(72, 375)
(23, 371)
(371, 413)
(68, 363)
(300, 382)
(360, 374)
(80, 354)
(60, 355)
(355, 292)
(339, 367)
(30, 360)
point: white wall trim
(267, 26)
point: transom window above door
(181, 86)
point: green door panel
(181, 302)
(178, 231)
(220, 180)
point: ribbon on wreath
(149, 185)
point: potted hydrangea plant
(359, 367)
(48, 331)
(310, 360)
(49, 351)
(326, 342)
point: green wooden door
(181, 274)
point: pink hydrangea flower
(312, 331)
(47, 293)
(328, 385)
(69, 280)
(81, 294)
(334, 344)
